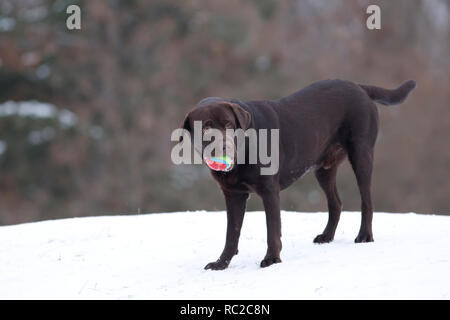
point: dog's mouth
(222, 162)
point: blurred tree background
(86, 115)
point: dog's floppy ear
(186, 126)
(243, 117)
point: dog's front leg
(271, 200)
(235, 203)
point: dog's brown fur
(319, 126)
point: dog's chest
(232, 182)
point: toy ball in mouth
(223, 163)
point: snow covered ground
(161, 256)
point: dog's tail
(389, 97)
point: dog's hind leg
(326, 176)
(361, 159)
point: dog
(319, 126)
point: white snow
(36, 109)
(161, 256)
(40, 136)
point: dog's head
(213, 117)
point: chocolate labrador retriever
(318, 126)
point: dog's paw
(269, 261)
(364, 237)
(218, 265)
(323, 238)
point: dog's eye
(207, 125)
